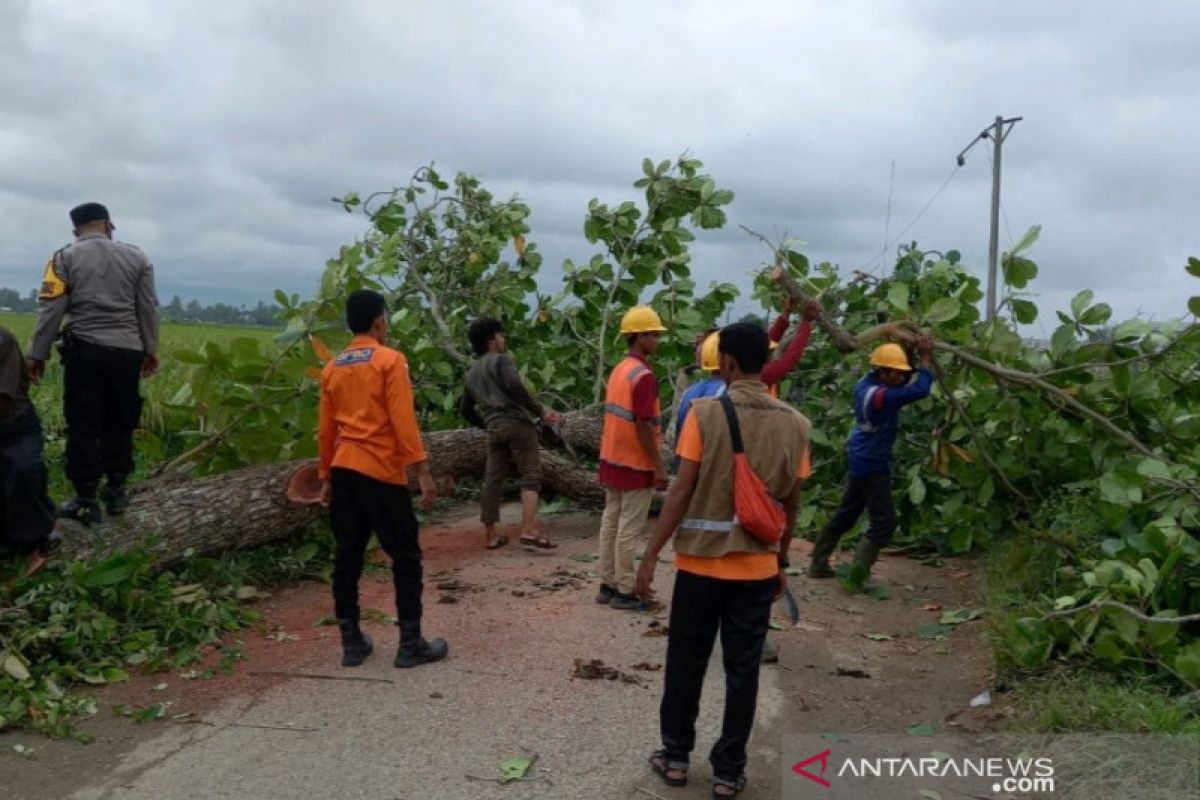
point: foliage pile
(91, 624)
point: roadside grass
(159, 436)
(1070, 696)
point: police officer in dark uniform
(110, 342)
(26, 513)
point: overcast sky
(216, 132)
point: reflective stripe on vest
(709, 525)
(866, 426)
(619, 444)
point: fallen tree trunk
(248, 507)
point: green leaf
(1025, 311)
(1193, 267)
(1131, 329)
(923, 729)
(1081, 301)
(929, 794)
(1018, 271)
(879, 637)
(916, 490)
(114, 569)
(960, 616)
(960, 539)
(15, 667)
(943, 310)
(1153, 468)
(775, 626)
(898, 297)
(1028, 240)
(1097, 315)
(1062, 340)
(932, 630)
(1194, 305)
(1187, 663)
(514, 769)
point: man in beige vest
(725, 578)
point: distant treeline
(174, 311)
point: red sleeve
(777, 370)
(779, 327)
(645, 398)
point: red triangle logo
(823, 758)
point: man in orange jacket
(631, 460)
(368, 440)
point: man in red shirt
(778, 368)
(631, 460)
(368, 440)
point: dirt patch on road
(861, 664)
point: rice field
(153, 442)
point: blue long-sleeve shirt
(877, 415)
(713, 387)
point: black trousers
(26, 513)
(874, 493)
(102, 408)
(361, 506)
(701, 606)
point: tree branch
(975, 434)
(1102, 604)
(1028, 379)
(1124, 361)
(435, 311)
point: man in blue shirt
(714, 386)
(878, 399)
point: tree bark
(248, 507)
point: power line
(929, 204)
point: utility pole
(997, 132)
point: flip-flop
(540, 542)
(661, 767)
(497, 543)
(735, 786)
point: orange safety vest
(619, 444)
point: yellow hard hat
(710, 355)
(891, 356)
(641, 319)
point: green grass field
(153, 441)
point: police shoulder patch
(358, 355)
(53, 286)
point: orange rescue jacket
(620, 445)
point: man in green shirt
(496, 399)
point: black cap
(88, 212)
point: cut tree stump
(248, 507)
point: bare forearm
(648, 441)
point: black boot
(82, 509)
(415, 650)
(116, 498)
(356, 645)
(822, 549)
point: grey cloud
(218, 133)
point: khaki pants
(624, 520)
